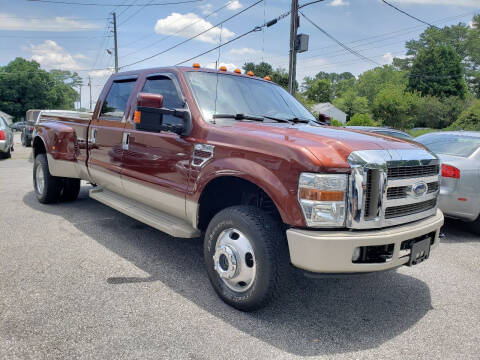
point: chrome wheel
(39, 179)
(234, 260)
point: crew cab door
(156, 164)
(106, 135)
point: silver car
(459, 152)
(6, 139)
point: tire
(8, 154)
(71, 188)
(269, 260)
(22, 139)
(52, 185)
(28, 143)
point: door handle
(94, 136)
(125, 140)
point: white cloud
(339, 3)
(472, 3)
(59, 23)
(173, 24)
(388, 58)
(206, 8)
(234, 5)
(101, 73)
(52, 56)
(245, 51)
(230, 66)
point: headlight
(323, 199)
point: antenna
(218, 64)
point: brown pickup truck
(237, 160)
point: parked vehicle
(459, 152)
(235, 158)
(27, 132)
(6, 139)
(18, 126)
(384, 131)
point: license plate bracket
(420, 251)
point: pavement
(80, 280)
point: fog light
(356, 254)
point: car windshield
(241, 95)
(396, 134)
(450, 144)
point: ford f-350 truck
(236, 159)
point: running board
(155, 218)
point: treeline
(437, 85)
(24, 86)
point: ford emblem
(419, 189)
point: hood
(330, 145)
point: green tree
(23, 86)
(468, 119)
(319, 90)
(430, 112)
(395, 107)
(371, 82)
(361, 120)
(351, 103)
(437, 71)
(278, 76)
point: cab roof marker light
(237, 71)
(196, 65)
(250, 73)
(223, 68)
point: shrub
(335, 122)
(468, 119)
(361, 120)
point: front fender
(283, 192)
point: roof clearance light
(223, 68)
(268, 78)
(137, 116)
(250, 73)
(237, 71)
(196, 65)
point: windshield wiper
(238, 117)
(277, 119)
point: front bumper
(331, 251)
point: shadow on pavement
(457, 231)
(313, 317)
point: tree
(394, 107)
(430, 112)
(339, 83)
(23, 86)
(468, 119)
(352, 104)
(437, 71)
(278, 76)
(319, 90)
(361, 120)
(371, 82)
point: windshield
(448, 144)
(241, 95)
(396, 134)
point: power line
(195, 36)
(177, 32)
(135, 13)
(43, 18)
(339, 42)
(409, 15)
(117, 5)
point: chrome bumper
(331, 251)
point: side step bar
(155, 218)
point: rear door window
(117, 99)
(172, 99)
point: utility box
(301, 43)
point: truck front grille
(403, 210)
(401, 192)
(406, 172)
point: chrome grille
(384, 187)
(412, 171)
(396, 211)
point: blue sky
(72, 37)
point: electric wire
(117, 5)
(409, 15)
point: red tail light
(2, 135)
(450, 171)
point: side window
(117, 98)
(171, 98)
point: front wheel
(246, 256)
(47, 187)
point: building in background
(331, 111)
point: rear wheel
(47, 187)
(246, 256)
(22, 139)
(71, 188)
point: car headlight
(323, 199)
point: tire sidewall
(263, 262)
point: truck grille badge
(201, 154)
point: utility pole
(90, 86)
(292, 64)
(115, 40)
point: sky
(79, 38)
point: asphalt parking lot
(80, 280)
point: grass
(416, 133)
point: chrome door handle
(125, 141)
(94, 136)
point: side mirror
(149, 115)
